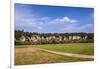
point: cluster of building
(35, 38)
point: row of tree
(27, 35)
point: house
(33, 38)
(22, 39)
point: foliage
(56, 40)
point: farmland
(30, 54)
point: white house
(22, 39)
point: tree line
(22, 37)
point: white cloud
(39, 27)
(79, 28)
(42, 22)
(87, 26)
(29, 21)
(45, 18)
(74, 21)
(63, 20)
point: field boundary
(68, 54)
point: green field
(78, 48)
(30, 54)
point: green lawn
(78, 48)
(29, 54)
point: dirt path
(68, 54)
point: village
(47, 38)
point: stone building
(38, 38)
(22, 39)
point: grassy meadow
(78, 48)
(30, 54)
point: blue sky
(53, 19)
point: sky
(53, 19)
